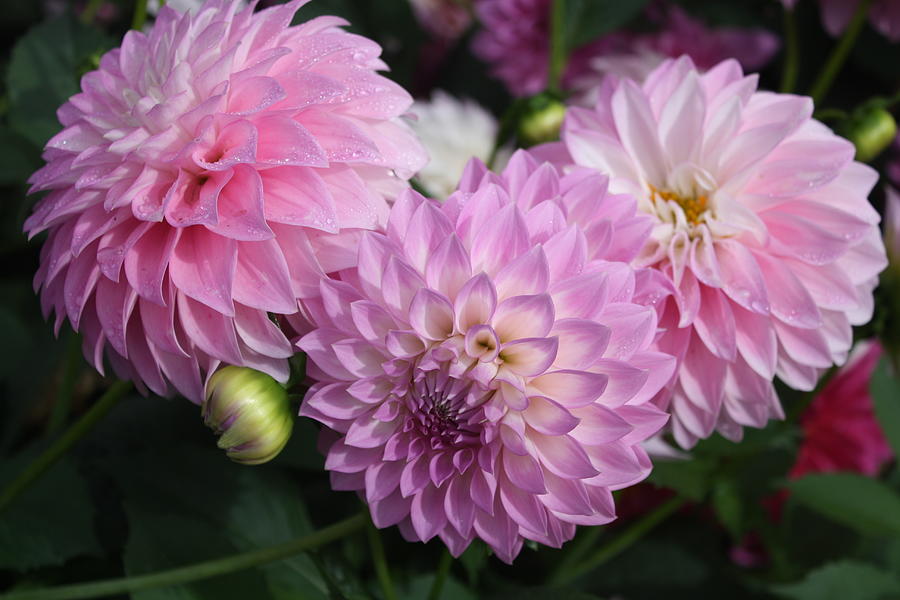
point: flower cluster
(229, 189)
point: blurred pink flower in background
(840, 430)
(515, 41)
(201, 181)
(678, 34)
(762, 224)
(447, 19)
(884, 15)
(486, 370)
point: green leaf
(885, 391)
(690, 478)
(43, 73)
(863, 504)
(18, 157)
(37, 530)
(845, 580)
(727, 502)
(587, 20)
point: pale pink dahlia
(762, 224)
(485, 371)
(200, 180)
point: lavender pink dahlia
(761, 222)
(207, 174)
(486, 370)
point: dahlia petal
(389, 511)
(475, 303)
(240, 208)
(458, 507)
(283, 141)
(571, 388)
(449, 267)
(790, 301)
(371, 320)
(631, 327)
(202, 266)
(581, 342)
(598, 425)
(523, 317)
(715, 324)
(334, 401)
(147, 260)
(548, 417)
(638, 131)
(212, 331)
(624, 381)
(431, 315)
(499, 240)
(360, 358)
(742, 279)
(524, 508)
(562, 455)
(529, 273)
(262, 279)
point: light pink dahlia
(200, 180)
(485, 371)
(762, 224)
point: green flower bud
(541, 120)
(871, 129)
(250, 412)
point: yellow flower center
(693, 206)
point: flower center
(693, 206)
(444, 410)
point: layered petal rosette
(485, 371)
(762, 223)
(200, 182)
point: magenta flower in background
(515, 41)
(201, 181)
(892, 226)
(840, 431)
(761, 222)
(486, 369)
(884, 15)
(445, 19)
(678, 34)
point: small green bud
(871, 129)
(250, 412)
(541, 120)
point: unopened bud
(871, 129)
(541, 120)
(250, 412)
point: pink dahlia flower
(762, 223)
(884, 15)
(199, 181)
(840, 431)
(485, 371)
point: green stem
(792, 53)
(56, 450)
(628, 537)
(140, 14)
(381, 567)
(557, 46)
(71, 368)
(440, 577)
(196, 571)
(840, 53)
(90, 11)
